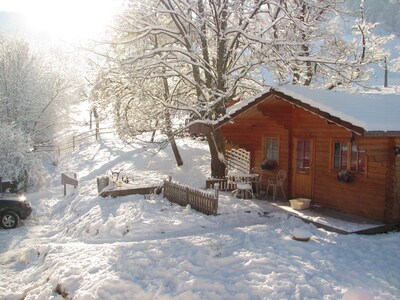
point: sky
(68, 20)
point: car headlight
(22, 198)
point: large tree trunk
(177, 155)
(216, 143)
(172, 141)
(96, 118)
(385, 82)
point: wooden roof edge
(243, 109)
(316, 111)
(377, 133)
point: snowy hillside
(82, 246)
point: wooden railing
(71, 143)
(199, 200)
(65, 179)
(223, 184)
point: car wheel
(9, 220)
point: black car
(13, 207)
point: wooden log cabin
(316, 134)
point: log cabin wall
(393, 186)
(381, 176)
(369, 195)
(249, 132)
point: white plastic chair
(242, 187)
(275, 183)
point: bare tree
(219, 50)
(19, 162)
(30, 88)
(138, 110)
(34, 90)
(322, 53)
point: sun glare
(70, 20)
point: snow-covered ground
(82, 246)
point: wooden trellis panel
(238, 160)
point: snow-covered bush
(35, 87)
(17, 160)
(395, 64)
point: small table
(241, 176)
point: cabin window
(347, 157)
(272, 149)
(340, 156)
(357, 162)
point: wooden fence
(65, 179)
(71, 143)
(224, 184)
(201, 201)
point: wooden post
(216, 189)
(186, 195)
(76, 181)
(68, 180)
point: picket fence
(201, 201)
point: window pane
(354, 158)
(353, 166)
(343, 156)
(268, 148)
(336, 156)
(275, 149)
(272, 149)
(307, 150)
(303, 155)
(357, 160)
(361, 161)
(300, 147)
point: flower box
(345, 176)
(268, 165)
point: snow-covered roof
(373, 112)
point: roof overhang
(307, 107)
(316, 111)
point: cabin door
(302, 166)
